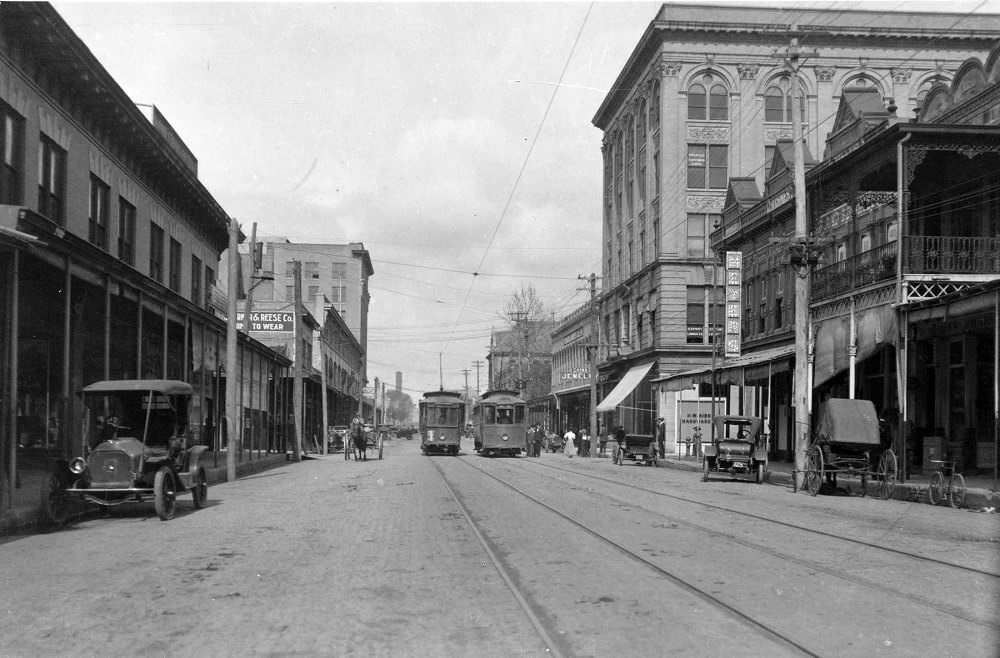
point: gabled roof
(743, 191)
(858, 102)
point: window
(51, 179)
(289, 269)
(891, 234)
(195, 279)
(312, 270)
(156, 252)
(697, 103)
(708, 166)
(627, 324)
(209, 284)
(778, 102)
(100, 192)
(695, 314)
(313, 293)
(656, 174)
(696, 236)
(654, 107)
(718, 103)
(866, 242)
(289, 293)
(779, 320)
(175, 265)
(12, 145)
(126, 232)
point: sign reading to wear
(734, 302)
(264, 321)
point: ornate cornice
(699, 202)
(669, 69)
(708, 133)
(748, 71)
(824, 73)
(901, 75)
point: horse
(360, 444)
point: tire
(935, 490)
(621, 457)
(887, 474)
(760, 472)
(165, 494)
(704, 469)
(200, 489)
(814, 471)
(55, 504)
(957, 494)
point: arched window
(708, 99)
(778, 102)
(641, 137)
(654, 107)
(630, 139)
(697, 102)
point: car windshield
(117, 415)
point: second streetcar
(500, 420)
(442, 421)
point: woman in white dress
(570, 448)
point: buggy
(850, 440)
(737, 447)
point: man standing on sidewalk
(661, 437)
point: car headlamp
(78, 465)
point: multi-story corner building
(905, 220)
(705, 97)
(109, 248)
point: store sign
(267, 322)
(733, 334)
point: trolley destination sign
(267, 321)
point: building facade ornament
(669, 69)
(748, 71)
(775, 134)
(824, 73)
(698, 202)
(708, 134)
(901, 75)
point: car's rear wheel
(704, 469)
(760, 472)
(200, 489)
(55, 504)
(165, 494)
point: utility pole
(297, 381)
(232, 381)
(253, 275)
(520, 354)
(467, 402)
(322, 376)
(593, 349)
(478, 364)
(803, 253)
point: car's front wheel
(165, 494)
(200, 489)
(55, 504)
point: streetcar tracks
(717, 603)
(859, 542)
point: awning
(743, 369)
(624, 387)
(573, 389)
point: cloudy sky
(451, 139)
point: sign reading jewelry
(734, 303)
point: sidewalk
(26, 504)
(979, 492)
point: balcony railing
(938, 254)
(858, 271)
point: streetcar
(500, 419)
(442, 421)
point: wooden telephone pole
(297, 380)
(803, 254)
(232, 378)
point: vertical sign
(734, 302)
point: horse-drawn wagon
(850, 440)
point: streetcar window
(505, 416)
(519, 415)
(489, 414)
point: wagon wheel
(957, 493)
(165, 494)
(55, 504)
(887, 474)
(814, 471)
(200, 489)
(864, 483)
(935, 490)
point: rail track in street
(619, 550)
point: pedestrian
(570, 446)
(602, 441)
(687, 446)
(661, 436)
(539, 435)
(584, 442)
(619, 440)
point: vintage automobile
(737, 447)
(142, 451)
